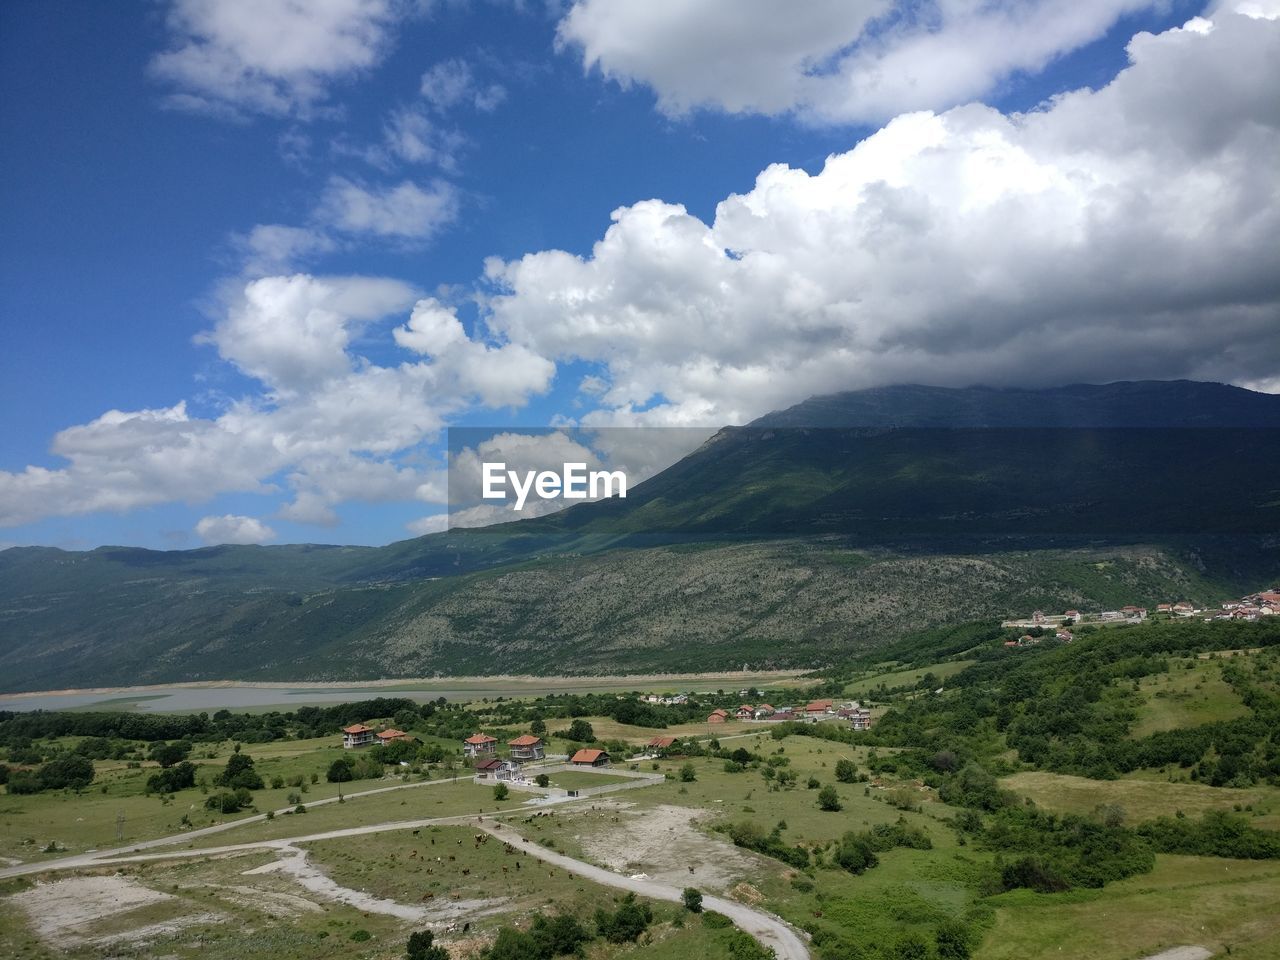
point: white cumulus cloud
(230, 528)
(1118, 233)
(829, 60)
(274, 57)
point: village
(1249, 609)
(528, 752)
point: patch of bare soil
(293, 862)
(663, 843)
(65, 912)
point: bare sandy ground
(662, 843)
(294, 863)
(1182, 953)
(63, 913)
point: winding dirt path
(765, 928)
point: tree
(828, 799)
(626, 923)
(422, 946)
(855, 854)
(846, 771)
(952, 940)
(580, 731)
(173, 779)
(501, 791)
(339, 771)
(692, 900)
(542, 780)
(67, 770)
(688, 774)
(911, 946)
(239, 772)
(538, 726)
(167, 754)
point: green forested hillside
(774, 544)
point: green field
(1228, 906)
(909, 677)
(1191, 693)
(582, 779)
(1145, 799)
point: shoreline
(159, 689)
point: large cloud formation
(835, 61)
(1115, 233)
(327, 423)
(1118, 233)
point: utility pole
(119, 824)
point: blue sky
(254, 257)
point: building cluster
(1250, 608)
(855, 713)
(359, 735)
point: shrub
(692, 900)
(626, 923)
(173, 779)
(716, 921)
(67, 770)
(846, 771)
(422, 946)
(501, 791)
(828, 799)
(542, 780)
(688, 774)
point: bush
(688, 774)
(422, 946)
(828, 799)
(501, 791)
(846, 771)
(180, 777)
(626, 923)
(716, 921)
(67, 770)
(580, 731)
(692, 900)
(542, 780)
(227, 801)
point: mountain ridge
(810, 520)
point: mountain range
(796, 540)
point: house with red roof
(527, 747)
(588, 757)
(480, 745)
(357, 735)
(392, 735)
(745, 712)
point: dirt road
(767, 929)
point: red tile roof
(524, 740)
(587, 756)
(480, 738)
(488, 765)
(357, 728)
(662, 742)
(393, 734)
